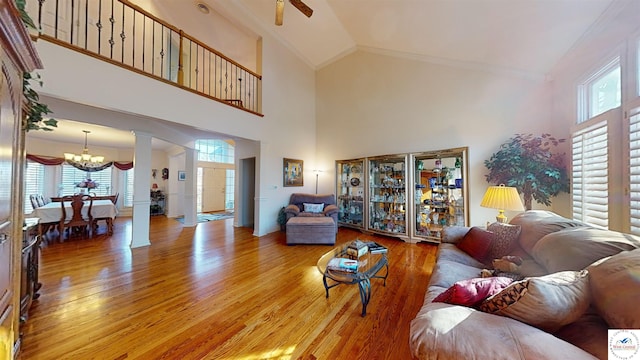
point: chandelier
(85, 159)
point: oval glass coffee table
(368, 267)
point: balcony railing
(126, 35)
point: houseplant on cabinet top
(527, 163)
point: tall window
(215, 151)
(590, 195)
(634, 172)
(34, 183)
(600, 92)
(71, 176)
(229, 190)
(594, 155)
(128, 189)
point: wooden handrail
(191, 38)
(130, 37)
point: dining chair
(34, 201)
(43, 200)
(78, 223)
(108, 220)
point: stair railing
(125, 35)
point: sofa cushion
(547, 302)
(577, 248)
(505, 237)
(589, 333)
(615, 288)
(313, 208)
(537, 223)
(477, 243)
(473, 291)
(452, 253)
(451, 332)
(446, 273)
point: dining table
(52, 212)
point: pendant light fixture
(85, 159)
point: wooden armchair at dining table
(80, 222)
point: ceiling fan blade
(298, 4)
(279, 12)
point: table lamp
(502, 198)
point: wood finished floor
(216, 292)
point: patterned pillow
(313, 208)
(504, 240)
(477, 243)
(547, 302)
(473, 291)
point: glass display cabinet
(440, 192)
(350, 192)
(387, 195)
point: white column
(190, 191)
(141, 191)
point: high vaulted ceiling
(527, 36)
(518, 36)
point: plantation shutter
(589, 192)
(634, 173)
(128, 193)
(34, 183)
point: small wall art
(182, 176)
(292, 172)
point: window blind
(34, 183)
(71, 176)
(128, 191)
(589, 191)
(634, 173)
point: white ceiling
(519, 36)
(527, 36)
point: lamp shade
(502, 198)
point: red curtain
(50, 160)
(45, 160)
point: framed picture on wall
(182, 176)
(292, 172)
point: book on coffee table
(376, 248)
(342, 264)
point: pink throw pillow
(477, 243)
(473, 291)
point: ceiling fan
(298, 4)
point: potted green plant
(528, 163)
(282, 219)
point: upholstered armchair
(316, 205)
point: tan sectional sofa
(560, 256)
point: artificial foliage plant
(35, 111)
(528, 163)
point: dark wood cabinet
(29, 284)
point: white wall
(606, 39)
(286, 130)
(371, 104)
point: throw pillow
(477, 243)
(547, 302)
(504, 240)
(473, 291)
(313, 208)
(615, 288)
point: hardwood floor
(216, 292)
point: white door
(213, 189)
